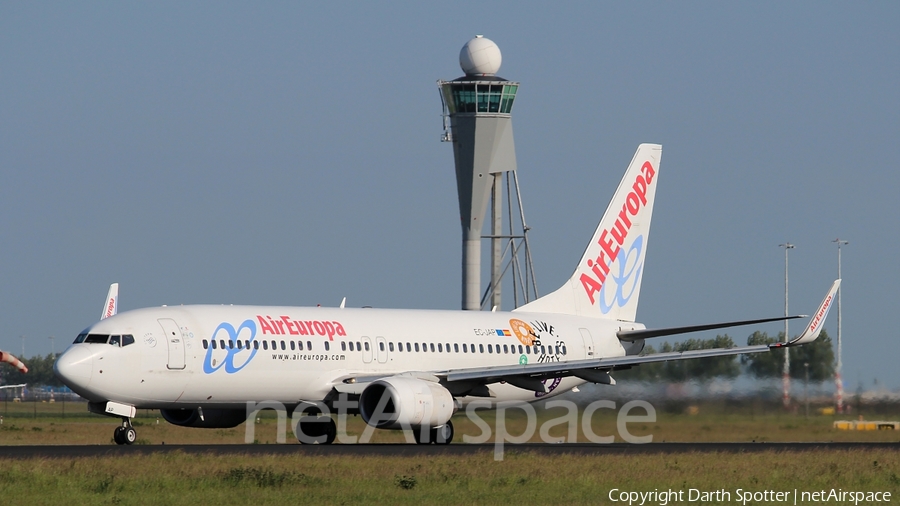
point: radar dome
(480, 57)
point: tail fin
(607, 281)
(111, 306)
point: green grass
(522, 478)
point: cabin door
(175, 343)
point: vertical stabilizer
(607, 281)
(111, 306)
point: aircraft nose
(74, 366)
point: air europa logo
(110, 306)
(821, 314)
(285, 325)
(611, 242)
(235, 358)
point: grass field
(520, 478)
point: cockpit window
(80, 338)
(127, 339)
(97, 338)
(115, 340)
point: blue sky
(289, 153)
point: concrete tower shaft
(479, 107)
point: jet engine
(398, 402)
(205, 419)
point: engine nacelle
(211, 419)
(398, 402)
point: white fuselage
(293, 354)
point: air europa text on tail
(610, 246)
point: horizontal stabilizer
(634, 335)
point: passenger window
(213, 344)
(300, 345)
(367, 345)
(439, 348)
(114, 340)
(247, 344)
(255, 345)
(283, 347)
(520, 350)
(528, 350)
(358, 346)
(222, 344)
(417, 346)
(309, 345)
(408, 347)
(564, 349)
(292, 346)
(465, 350)
(424, 346)
(471, 348)
(456, 348)
(432, 347)
(230, 344)
(505, 350)
(490, 349)
(240, 344)
(391, 346)
(448, 348)
(381, 346)
(326, 346)
(343, 346)
(265, 345)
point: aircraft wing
(522, 375)
(596, 369)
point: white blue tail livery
(607, 281)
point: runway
(411, 450)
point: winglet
(111, 306)
(815, 324)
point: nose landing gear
(125, 433)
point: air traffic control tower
(479, 107)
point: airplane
(201, 364)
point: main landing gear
(316, 430)
(125, 433)
(442, 435)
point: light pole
(23, 346)
(52, 345)
(838, 381)
(786, 378)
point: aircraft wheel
(316, 430)
(423, 437)
(129, 435)
(442, 435)
(119, 435)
